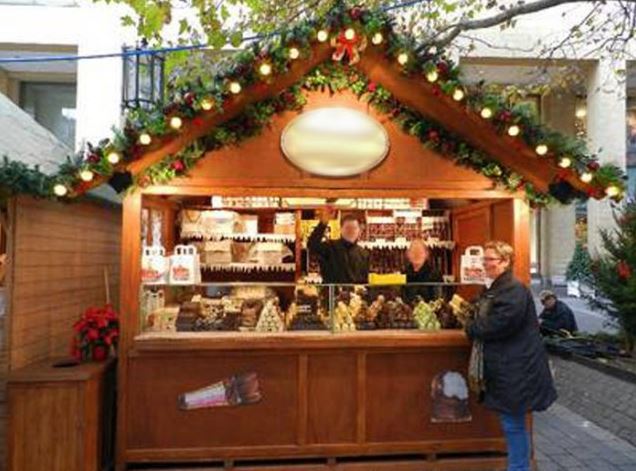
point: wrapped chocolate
(270, 319)
(425, 317)
(343, 320)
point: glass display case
(290, 307)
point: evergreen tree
(580, 266)
(614, 272)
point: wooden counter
(361, 394)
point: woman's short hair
(504, 250)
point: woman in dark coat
(516, 372)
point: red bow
(349, 47)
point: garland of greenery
(192, 99)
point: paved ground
(565, 441)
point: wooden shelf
(285, 238)
(250, 267)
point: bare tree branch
(503, 17)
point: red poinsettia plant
(95, 333)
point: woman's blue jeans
(517, 441)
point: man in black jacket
(556, 315)
(342, 260)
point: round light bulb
(265, 69)
(486, 113)
(514, 130)
(432, 50)
(586, 177)
(294, 53)
(113, 157)
(60, 190)
(403, 58)
(458, 94)
(565, 162)
(541, 149)
(377, 38)
(581, 112)
(176, 122)
(612, 191)
(145, 139)
(235, 87)
(207, 104)
(350, 33)
(86, 175)
(322, 35)
(432, 76)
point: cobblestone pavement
(565, 441)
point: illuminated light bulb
(403, 58)
(432, 50)
(350, 33)
(113, 157)
(86, 175)
(586, 177)
(60, 190)
(541, 149)
(612, 191)
(486, 113)
(514, 130)
(432, 76)
(322, 35)
(377, 38)
(207, 104)
(294, 53)
(565, 162)
(145, 139)
(581, 112)
(235, 87)
(265, 69)
(458, 94)
(176, 122)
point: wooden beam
(418, 94)
(253, 94)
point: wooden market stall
(355, 400)
(334, 397)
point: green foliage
(614, 271)
(580, 266)
(192, 86)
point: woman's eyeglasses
(491, 259)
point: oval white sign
(335, 142)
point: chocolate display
(425, 317)
(306, 313)
(395, 315)
(189, 312)
(343, 318)
(250, 311)
(271, 319)
(445, 314)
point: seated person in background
(342, 260)
(556, 315)
(419, 269)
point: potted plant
(96, 334)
